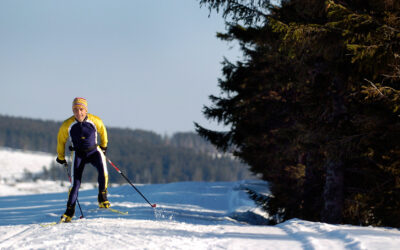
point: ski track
(194, 222)
(189, 215)
(313, 237)
(144, 234)
(11, 236)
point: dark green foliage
(248, 11)
(314, 107)
(145, 157)
(28, 134)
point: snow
(14, 163)
(189, 215)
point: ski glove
(61, 161)
(104, 149)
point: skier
(82, 129)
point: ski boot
(69, 213)
(102, 199)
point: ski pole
(69, 177)
(137, 190)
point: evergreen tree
(314, 106)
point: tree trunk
(312, 195)
(333, 192)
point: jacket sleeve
(101, 129)
(61, 140)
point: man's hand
(104, 149)
(61, 161)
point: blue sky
(141, 64)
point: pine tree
(314, 106)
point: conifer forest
(313, 106)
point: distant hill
(144, 156)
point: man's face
(79, 113)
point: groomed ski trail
(189, 215)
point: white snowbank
(14, 163)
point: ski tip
(154, 205)
(49, 224)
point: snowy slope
(189, 215)
(15, 164)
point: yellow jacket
(82, 135)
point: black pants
(79, 160)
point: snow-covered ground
(189, 215)
(15, 165)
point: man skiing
(82, 129)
